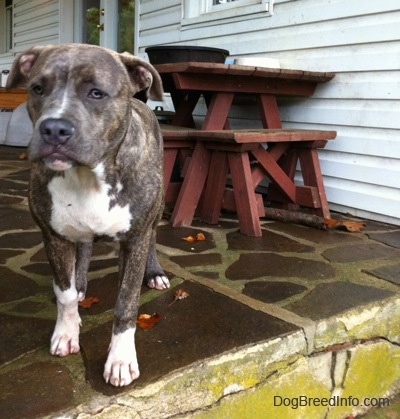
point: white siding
(359, 40)
(39, 22)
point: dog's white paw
(159, 282)
(122, 367)
(65, 339)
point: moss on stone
(373, 370)
(294, 393)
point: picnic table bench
(248, 157)
(12, 98)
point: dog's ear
(22, 66)
(143, 76)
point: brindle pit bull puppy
(97, 170)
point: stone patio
(269, 323)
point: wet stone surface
(6, 254)
(10, 200)
(312, 234)
(297, 267)
(24, 240)
(38, 268)
(202, 325)
(327, 300)
(197, 260)
(269, 242)
(257, 265)
(356, 253)
(20, 335)
(25, 393)
(389, 238)
(14, 286)
(15, 218)
(272, 292)
(390, 273)
(174, 238)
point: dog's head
(79, 100)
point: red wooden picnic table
(219, 84)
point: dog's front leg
(122, 367)
(83, 254)
(61, 254)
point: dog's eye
(96, 94)
(38, 89)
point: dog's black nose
(56, 131)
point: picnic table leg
(269, 112)
(287, 163)
(217, 112)
(184, 104)
(245, 198)
(215, 187)
(192, 187)
(312, 176)
(170, 155)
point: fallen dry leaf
(88, 302)
(199, 237)
(148, 321)
(351, 226)
(179, 295)
(189, 239)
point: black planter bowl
(164, 54)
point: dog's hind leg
(83, 254)
(154, 275)
(61, 254)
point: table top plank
(243, 70)
(203, 82)
(262, 135)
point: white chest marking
(81, 205)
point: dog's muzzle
(56, 131)
(55, 151)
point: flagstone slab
(14, 286)
(359, 252)
(389, 273)
(257, 265)
(200, 326)
(313, 234)
(174, 237)
(7, 253)
(10, 200)
(20, 335)
(197, 259)
(23, 175)
(23, 240)
(272, 292)
(331, 299)
(14, 218)
(13, 188)
(100, 264)
(391, 238)
(39, 268)
(269, 242)
(35, 391)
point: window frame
(204, 12)
(6, 31)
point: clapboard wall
(39, 22)
(359, 40)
